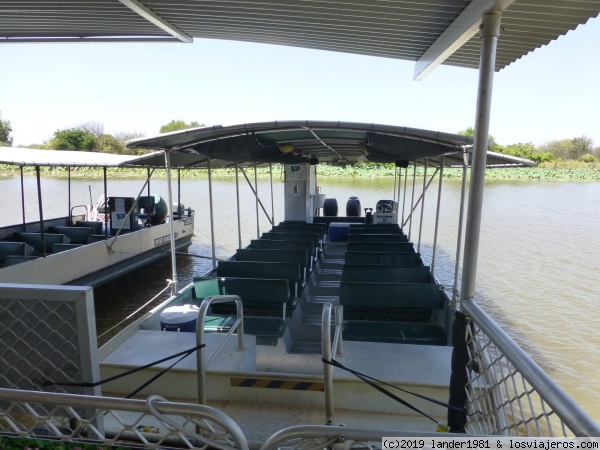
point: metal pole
(399, 184)
(69, 195)
(212, 218)
(437, 216)
(461, 215)
(237, 193)
(395, 180)
(422, 204)
(41, 210)
(412, 204)
(106, 212)
(179, 211)
(327, 368)
(171, 223)
(404, 195)
(256, 201)
(272, 202)
(489, 39)
(148, 171)
(23, 199)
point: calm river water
(538, 262)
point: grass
(558, 171)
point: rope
(371, 382)
(170, 282)
(183, 354)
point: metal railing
(327, 350)
(106, 421)
(509, 394)
(201, 357)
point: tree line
(90, 137)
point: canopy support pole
(256, 201)
(437, 216)
(41, 210)
(23, 199)
(489, 40)
(256, 195)
(179, 211)
(412, 203)
(237, 193)
(212, 217)
(399, 184)
(171, 222)
(272, 201)
(423, 204)
(461, 215)
(148, 172)
(106, 211)
(69, 195)
(395, 181)
(416, 205)
(404, 195)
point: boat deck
(267, 387)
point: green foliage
(109, 144)
(493, 146)
(588, 158)
(528, 151)
(560, 149)
(6, 139)
(73, 139)
(581, 146)
(175, 125)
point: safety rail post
(327, 368)
(238, 324)
(338, 347)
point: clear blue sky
(553, 93)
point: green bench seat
(35, 240)
(261, 327)
(384, 259)
(400, 302)
(373, 273)
(299, 229)
(14, 249)
(96, 238)
(395, 332)
(11, 260)
(57, 248)
(393, 247)
(376, 238)
(269, 244)
(269, 270)
(76, 235)
(294, 256)
(95, 225)
(337, 219)
(260, 296)
(283, 236)
(374, 226)
(374, 230)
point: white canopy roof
(17, 156)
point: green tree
(73, 139)
(561, 149)
(492, 144)
(6, 139)
(175, 125)
(110, 144)
(581, 146)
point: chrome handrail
(25, 417)
(238, 324)
(569, 412)
(328, 349)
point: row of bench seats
(29, 245)
(387, 293)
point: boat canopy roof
(18, 156)
(429, 33)
(292, 142)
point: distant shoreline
(551, 172)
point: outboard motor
(353, 207)
(330, 207)
(368, 215)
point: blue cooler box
(179, 318)
(338, 232)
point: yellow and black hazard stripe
(269, 383)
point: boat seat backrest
(57, 248)
(267, 255)
(391, 247)
(395, 332)
(384, 259)
(373, 273)
(77, 235)
(408, 302)
(374, 230)
(259, 296)
(11, 260)
(377, 238)
(268, 270)
(35, 240)
(96, 226)
(95, 238)
(291, 229)
(14, 249)
(279, 236)
(283, 245)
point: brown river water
(538, 271)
